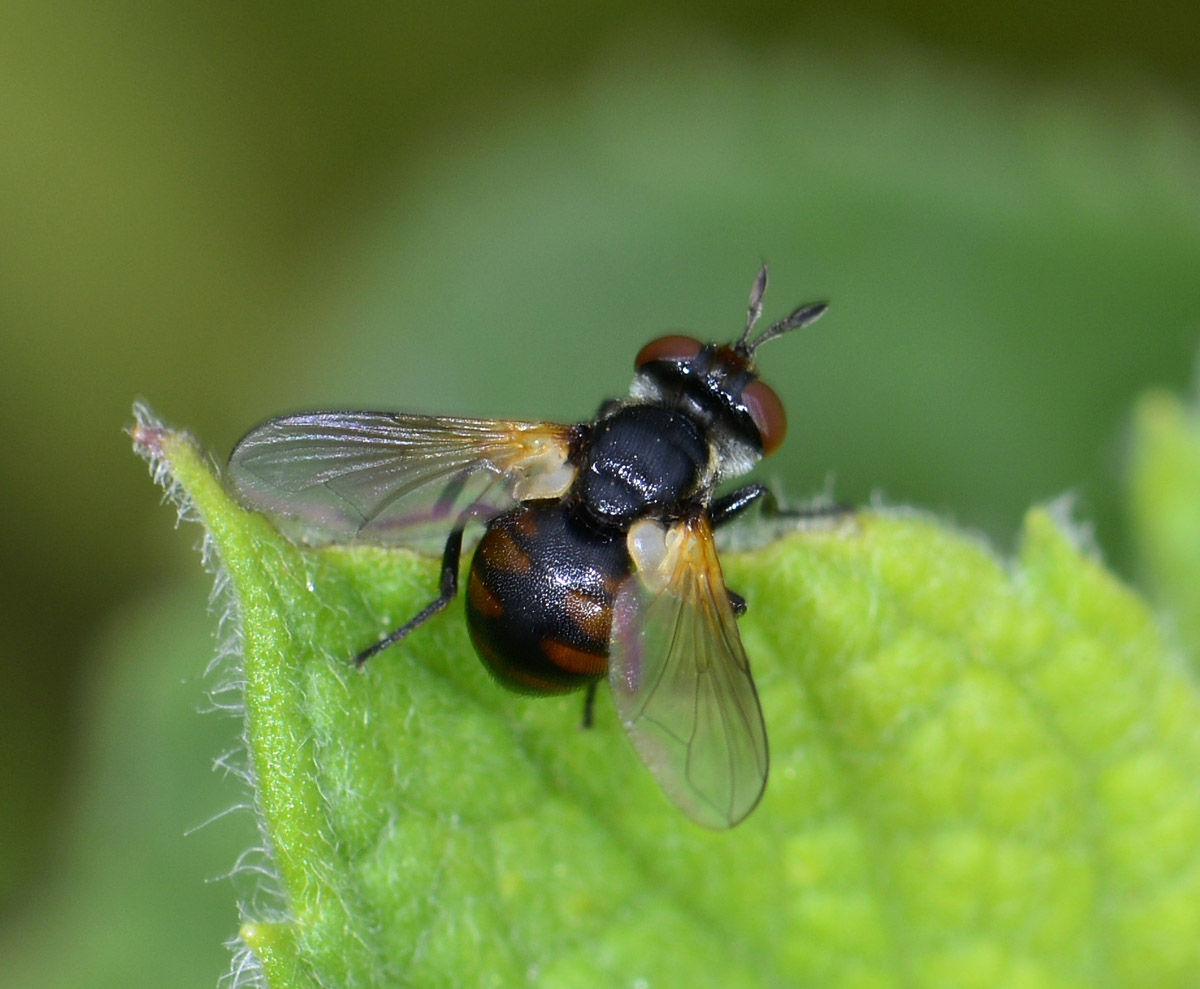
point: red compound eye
(672, 348)
(766, 410)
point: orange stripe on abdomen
(481, 597)
(574, 660)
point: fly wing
(681, 680)
(393, 478)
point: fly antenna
(805, 315)
(757, 291)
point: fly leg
(451, 557)
(736, 502)
(733, 504)
(589, 704)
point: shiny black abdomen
(540, 596)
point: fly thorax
(732, 437)
(642, 458)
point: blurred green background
(236, 210)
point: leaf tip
(178, 464)
(155, 441)
(147, 431)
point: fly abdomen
(539, 598)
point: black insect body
(597, 559)
(540, 598)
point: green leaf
(983, 775)
(1165, 505)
